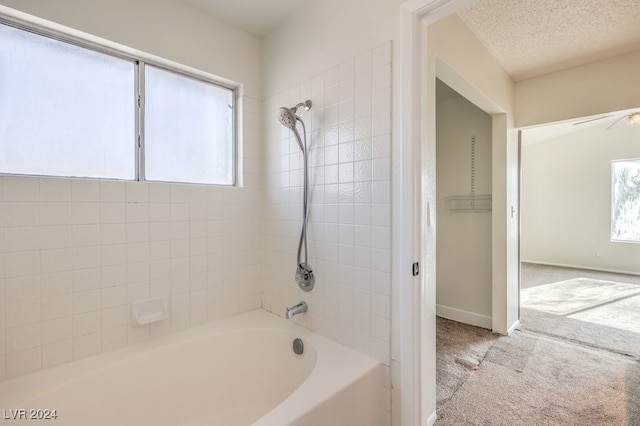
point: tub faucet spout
(295, 310)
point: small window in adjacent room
(189, 126)
(64, 110)
(625, 200)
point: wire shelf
(469, 203)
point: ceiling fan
(629, 119)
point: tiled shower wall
(349, 230)
(74, 253)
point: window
(64, 110)
(625, 200)
(188, 124)
(73, 111)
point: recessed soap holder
(150, 310)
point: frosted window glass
(625, 200)
(188, 129)
(64, 110)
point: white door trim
(415, 208)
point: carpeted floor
(598, 309)
(574, 360)
(531, 379)
(460, 348)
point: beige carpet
(460, 349)
(575, 295)
(598, 313)
(530, 379)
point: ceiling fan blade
(618, 122)
(592, 119)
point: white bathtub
(237, 371)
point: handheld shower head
(286, 117)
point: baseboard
(588, 268)
(513, 327)
(464, 316)
(432, 419)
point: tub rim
(333, 364)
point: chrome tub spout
(295, 310)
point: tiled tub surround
(349, 129)
(74, 253)
(256, 379)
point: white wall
(566, 199)
(168, 29)
(463, 264)
(323, 34)
(75, 252)
(598, 87)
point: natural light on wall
(71, 109)
(625, 200)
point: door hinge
(416, 269)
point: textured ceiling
(529, 38)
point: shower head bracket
(306, 105)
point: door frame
(414, 196)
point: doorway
(434, 44)
(463, 194)
(580, 278)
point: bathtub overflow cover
(298, 346)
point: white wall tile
(24, 362)
(75, 252)
(57, 353)
(87, 345)
(21, 189)
(56, 284)
(112, 192)
(21, 239)
(23, 337)
(137, 192)
(55, 307)
(21, 214)
(87, 323)
(55, 189)
(19, 264)
(55, 213)
(22, 289)
(113, 212)
(86, 301)
(55, 237)
(349, 230)
(114, 338)
(57, 260)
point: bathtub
(236, 371)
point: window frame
(613, 198)
(139, 60)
